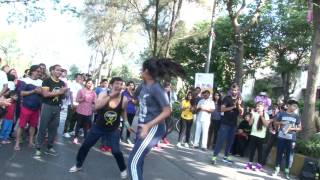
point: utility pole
(212, 36)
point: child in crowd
(242, 136)
(8, 118)
(260, 122)
(290, 124)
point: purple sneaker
(248, 166)
(259, 167)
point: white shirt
(74, 88)
(207, 104)
(3, 79)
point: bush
(310, 147)
(176, 110)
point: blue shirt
(152, 99)
(289, 120)
(32, 101)
(131, 109)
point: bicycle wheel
(177, 126)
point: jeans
(185, 128)
(285, 147)
(226, 133)
(6, 129)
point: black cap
(292, 101)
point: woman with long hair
(154, 108)
(186, 121)
(260, 122)
(215, 119)
(86, 98)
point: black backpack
(310, 170)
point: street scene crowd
(103, 115)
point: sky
(60, 39)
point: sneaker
(74, 169)
(248, 166)
(204, 149)
(227, 159)
(276, 172)
(179, 145)
(165, 141)
(186, 145)
(259, 167)
(66, 135)
(129, 142)
(286, 174)
(75, 141)
(71, 133)
(124, 174)
(38, 154)
(51, 152)
(214, 160)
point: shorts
(28, 116)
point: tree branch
(255, 16)
(241, 8)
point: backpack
(310, 170)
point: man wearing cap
(289, 123)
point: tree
(308, 123)
(191, 52)
(290, 42)
(73, 70)
(240, 30)
(124, 72)
(160, 20)
(26, 12)
(106, 24)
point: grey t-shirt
(151, 101)
(289, 120)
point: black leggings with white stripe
(141, 148)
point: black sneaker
(51, 152)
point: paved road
(168, 164)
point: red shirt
(10, 111)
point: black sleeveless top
(109, 118)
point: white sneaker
(179, 145)
(66, 135)
(186, 145)
(124, 174)
(129, 142)
(76, 141)
(74, 169)
(71, 133)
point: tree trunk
(156, 29)
(308, 124)
(175, 16)
(238, 60)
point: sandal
(17, 148)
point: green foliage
(310, 147)
(176, 110)
(124, 72)
(73, 70)
(264, 85)
(191, 52)
(31, 11)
